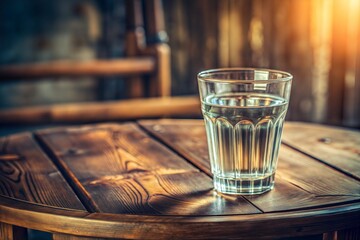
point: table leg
(11, 232)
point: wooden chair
(147, 63)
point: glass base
(244, 186)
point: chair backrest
(146, 68)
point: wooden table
(151, 180)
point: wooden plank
(223, 35)
(301, 182)
(70, 68)
(31, 176)
(12, 232)
(97, 111)
(6, 231)
(176, 134)
(301, 223)
(319, 38)
(71, 237)
(352, 112)
(297, 224)
(40, 217)
(337, 147)
(295, 55)
(338, 63)
(120, 169)
(189, 56)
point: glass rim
(204, 76)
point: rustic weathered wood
(338, 59)
(160, 82)
(295, 188)
(6, 231)
(314, 40)
(135, 42)
(337, 147)
(295, 176)
(352, 77)
(127, 172)
(36, 216)
(11, 232)
(32, 176)
(71, 237)
(139, 189)
(176, 135)
(71, 68)
(96, 111)
(306, 222)
(188, 56)
(147, 67)
(156, 38)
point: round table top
(151, 179)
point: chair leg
(160, 82)
(11, 232)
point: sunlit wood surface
(151, 180)
(315, 40)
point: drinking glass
(244, 111)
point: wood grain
(337, 75)
(232, 33)
(122, 170)
(11, 232)
(337, 147)
(103, 111)
(185, 58)
(301, 182)
(32, 176)
(71, 237)
(175, 133)
(6, 231)
(79, 223)
(140, 189)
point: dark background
(315, 40)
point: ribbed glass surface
(244, 134)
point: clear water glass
(244, 111)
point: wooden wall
(38, 31)
(41, 30)
(315, 40)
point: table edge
(13, 211)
